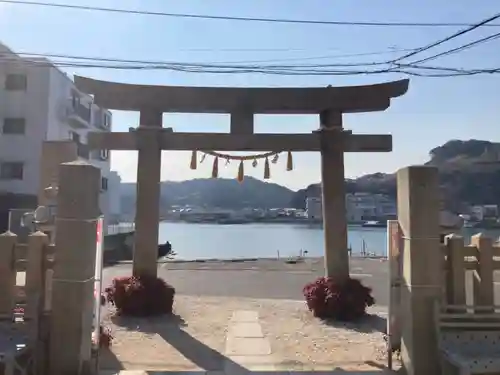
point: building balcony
(78, 115)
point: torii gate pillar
(147, 212)
(333, 194)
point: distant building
(482, 212)
(359, 207)
(314, 208)
(38, 102)
(366, 206)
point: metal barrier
(120, 228)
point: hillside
(218, 192)
(469, 172)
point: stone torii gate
(241, 103)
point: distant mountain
(469, 172)
(217, 192)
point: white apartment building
(314, 208)
(359, 207)
(39, 102)
(366, 206)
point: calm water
(202, 241)
(198, 241)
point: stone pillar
(147, 216)
(73, 281)
(418, 215)
(8, 245)
(54, 153)
(333, 191)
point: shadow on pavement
(169, 327)
(108, 360)
(369, 324)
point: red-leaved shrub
(105, 337)
(141, 296)
(346, 301)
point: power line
(228, 64)
(102, 61)
(422, 71)
(459, 49)
(72, 57)
(252, 67)
(448, 38)
(230, 18)
(233, 68)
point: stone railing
(478, 260)
(25, 274)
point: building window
(104, 184)
(11, 170)
(75, 137)
(14, 126)
(75, 99)
(104, 154)
(107, 121)
(16, 82)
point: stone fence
(29, 265)
(477, 261)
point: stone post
(455, 276)
(333, 193)
(147, 216)
(54, 153)
(73, 281)
(418, 215)
(35, 274)
(483, 282)
(8, 244)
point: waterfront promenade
(267, 279)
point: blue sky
(432, 112)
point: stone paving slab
(246, 347)
(245, 329)
(243, 346)
(245, 316)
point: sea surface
(206, 241)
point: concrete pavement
(257, 279)
(268, 279)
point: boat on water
(374, 224)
